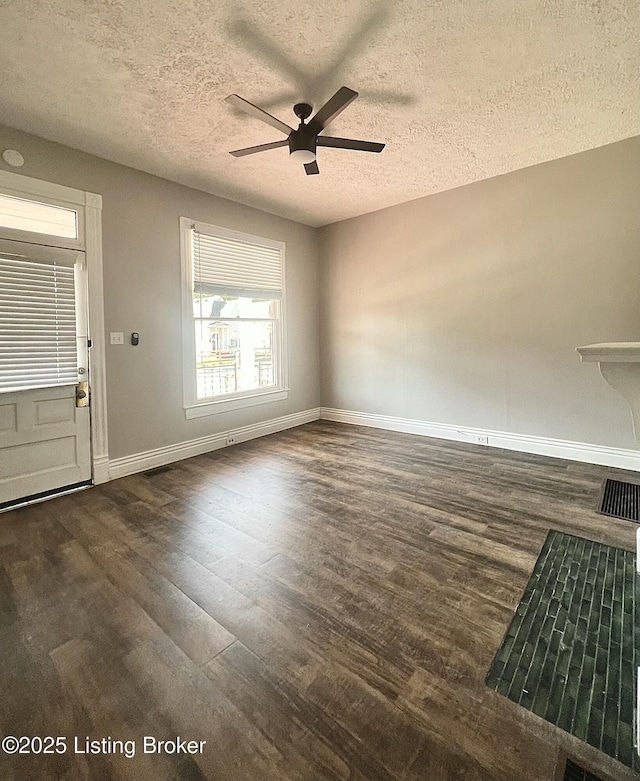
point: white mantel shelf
(619, 364)
(611, 352)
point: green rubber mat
(571, 650)
(573, 772)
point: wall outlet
(231, 440)
(116, 337)
(480, 440)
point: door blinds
(235, 267)
(37, 319)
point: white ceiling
(460, 90)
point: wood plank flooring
(320, 604)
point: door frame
(89, 208)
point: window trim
(240, 400)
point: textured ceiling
(460, 90)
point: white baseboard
(524, 443)
(139, 462)
(543, 446)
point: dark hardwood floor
(320, 604)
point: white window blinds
(235, 267)
(37, 321)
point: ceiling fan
(305, 138)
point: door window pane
(38, 346)
(20, 214)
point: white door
(44, 434)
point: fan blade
(312, 168)
(254, 111)
(251, 150)
(350, 143)
(332, 108)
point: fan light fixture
(302, 156)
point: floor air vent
(573, 772)
(621, 500)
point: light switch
(116, 337)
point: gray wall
(142, 293)
(466, 307)
(462, 308)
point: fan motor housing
(303, 138)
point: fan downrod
(302, 111)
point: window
(38, 317)
(233, 319)
(23, 215)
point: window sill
(239, 402)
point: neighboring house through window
(233, 319)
